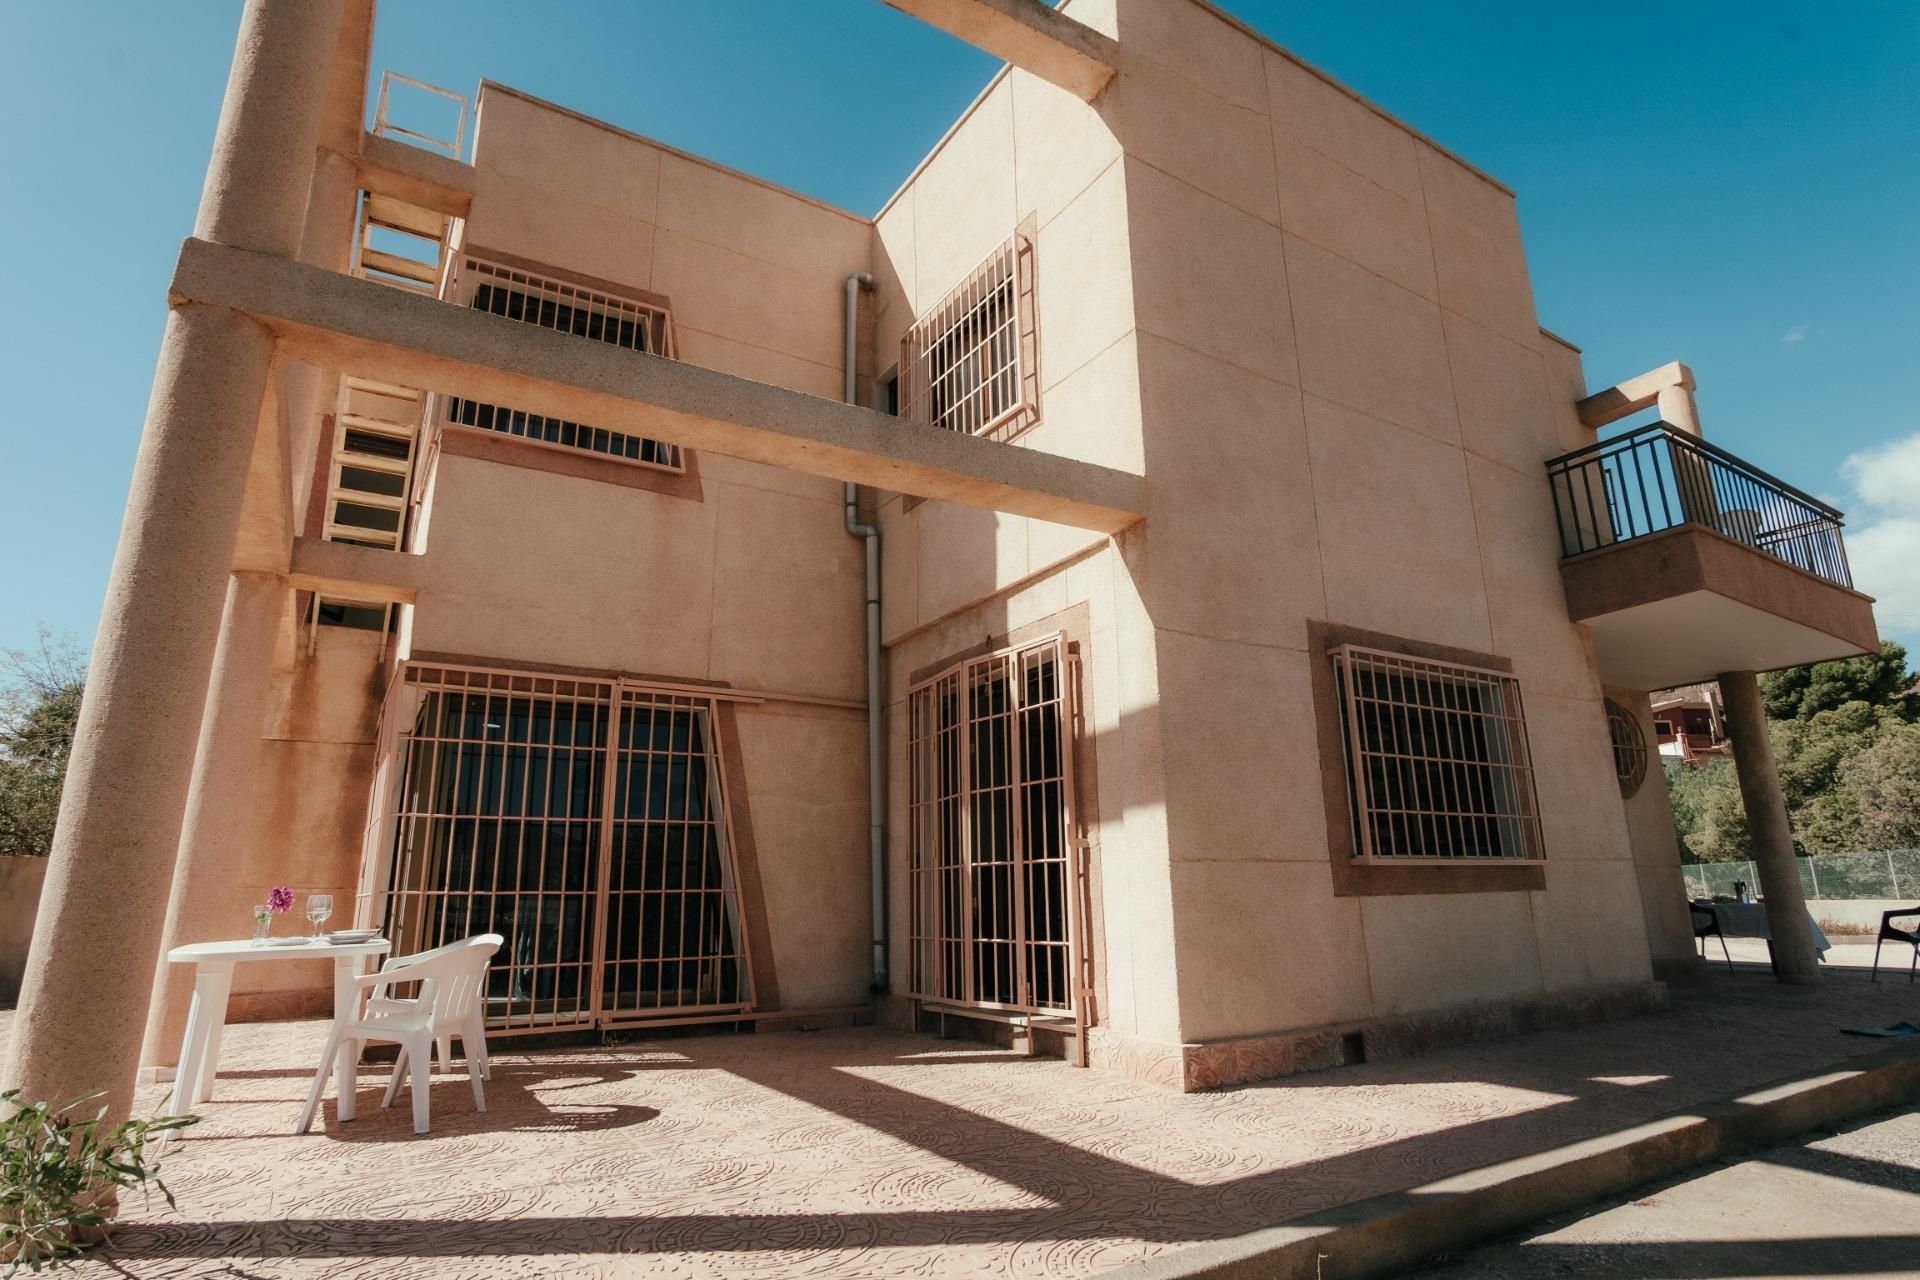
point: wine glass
(319, 907)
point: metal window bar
(1658, 477)
(671, 914)
(566, 308)
(995, 862)
(1438, 763)
(1629, 747)
(584, 820)
(384, 126)
(969, 364)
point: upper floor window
(970, 363)
(1438, 765)
(567, 307)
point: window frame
(1355, 876)
(930, 868)
(472, 268)
(1009, 268)
(1465, 772)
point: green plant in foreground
(61, 1174)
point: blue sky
(1734, 185)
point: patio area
(863, 1152)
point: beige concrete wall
(1309, 326)
(1345, 408)
(753, 582)
(20, 879)
(1025, 154)
(316, 764)
(1656, 849)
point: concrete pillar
(264, 148)
(89, 975)
(84, 998)
(1677, 408)
(326, 235)
(1793, 953)
(222, 813)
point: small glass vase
(262, 925)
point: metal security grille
(996, 874)
(1629, 748)
(606, 866)
(675, 938)
(1438, 765)
(969, 364)
(566, 308)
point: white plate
(288, 942)
(346, 936)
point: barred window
(1438, 765)
(1629, 748)
(993, 870)
(969, 364)
(596, 315)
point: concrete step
(1384, 1235)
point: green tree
(1843, 737)
(1885, 783)
(1707, 814)
(40, 692)
(1877, 679)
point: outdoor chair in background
(1890, 934)
(1706, 924)
(449, 1003)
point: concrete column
(326, 235)
(222, 813)
(84, 997)
(1677, 408)
(264, 148)
(1793, 953)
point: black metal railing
(1658, 477)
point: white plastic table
(207, 1017)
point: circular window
(1629, 748)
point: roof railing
(386, 128)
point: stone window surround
(1356, 879)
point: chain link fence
(1878, 873)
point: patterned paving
(868, 1153)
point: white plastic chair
(452, 982)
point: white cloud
(1888, 476)
(1796, 334)
(1885, 556)
(1883, 546)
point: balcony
(1685, 561)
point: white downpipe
(876, 707)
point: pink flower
(279, 900)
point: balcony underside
(1689, 603)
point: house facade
(1153, 589)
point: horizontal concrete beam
(351, 572)
(417, 176)
(342, 322)
(1031, 35)
(1633, 395)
